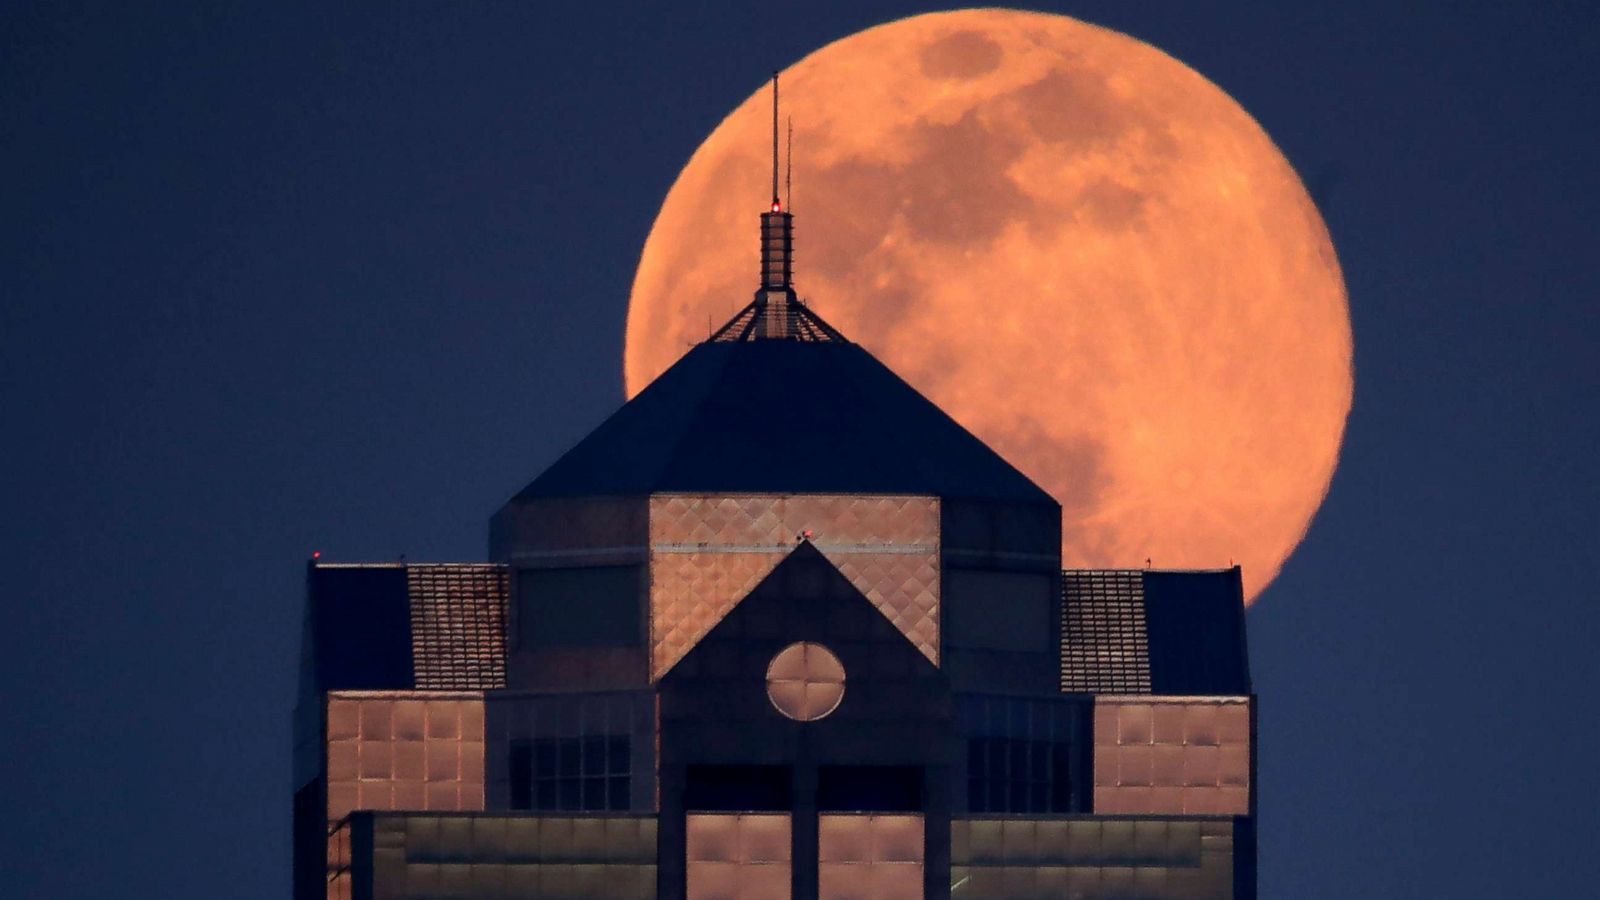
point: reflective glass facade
(426, 857)
(1033, 858)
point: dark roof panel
(402, 627)
(361, 627)
(1196, 627)
(1137, 631)
(782, 416)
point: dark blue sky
(289, 277)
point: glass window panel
(580, 607)
(1039, 760)
(569, 757)
(1017, 758)
(570, 795)
(995, 758)
(617, 754)
(1060, 778)
(1019, 775)
(520, 775)
(1038, 797)
(618, 792)
(544, 759)
(545, 795)
(594, 755)
(594, 793)
(1019, 711)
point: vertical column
(805, 816)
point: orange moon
(1080, 248)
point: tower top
(777, 313)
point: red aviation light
(316, 554)
(776, 206)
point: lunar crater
(962, 55)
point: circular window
(805, 681)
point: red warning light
(316, 554)
(776, 206)
(807, 534)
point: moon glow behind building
(1080, 248)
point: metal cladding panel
(570, 531)
(691, 592)
(1172, 756)
(707, 552)
(458, 625)
(870, 857)
(905, 588)
(395, 750)
(745, 856)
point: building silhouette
(779, 627)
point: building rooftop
(1144, 631)
(398, 626)
(790, 416)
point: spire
(775, 204)
(776, 313)
(777, 223)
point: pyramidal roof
(782, 416)
(778, 401)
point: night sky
(289, 278)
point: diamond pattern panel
(905, 588)
(691, 592)
(777, 520)
(708, 552)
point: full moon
(1080, 248)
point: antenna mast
(777, 229)
(775, 203)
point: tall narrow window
(521, 775)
